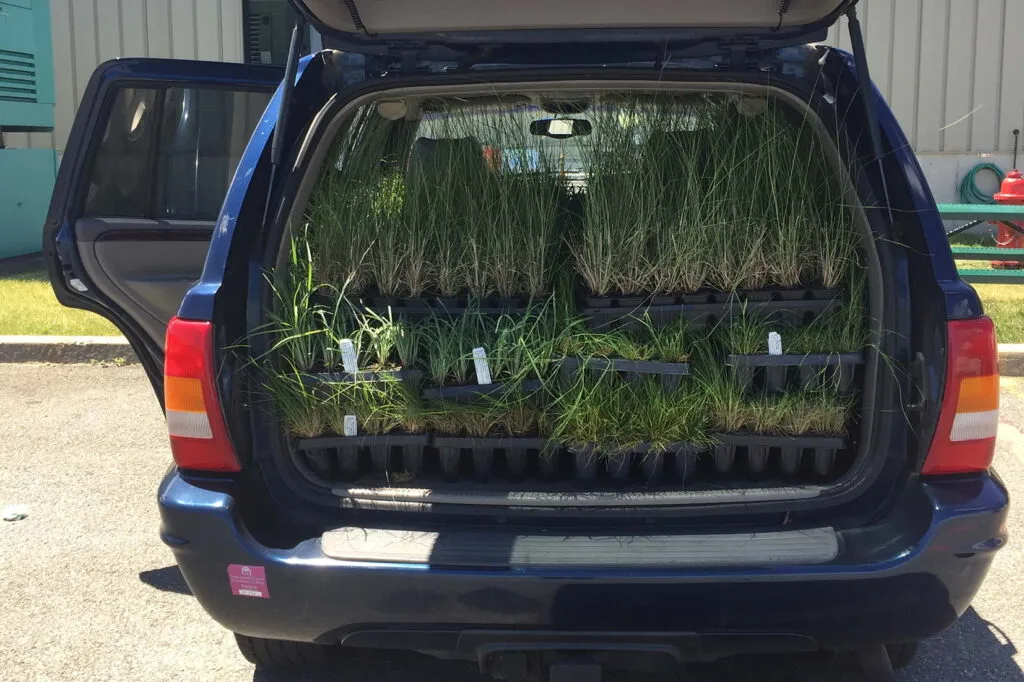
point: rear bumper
(905, 579)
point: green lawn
(28, 306)
(1004, 303)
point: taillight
(965, 438)
(195, 422)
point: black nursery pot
(483, 454)
(777, 373)
(617, 464)
(792, 451)
(708, 308)
(384, 452)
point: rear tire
(278, 653)
(901, 655)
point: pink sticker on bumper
(248, 581)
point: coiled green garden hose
(969, 192)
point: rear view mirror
(560, 128)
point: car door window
(169, 153)
(120, 181)
(202, 137)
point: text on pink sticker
(248, 581)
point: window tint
(202, 137)
(171, 152)
(119, 184)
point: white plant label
(774, 343)
(483, 370)
(349, 426)
(348, 356)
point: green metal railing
(976, 214)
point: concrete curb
(72, 349)
(1011, 359)
(66, 349)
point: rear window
(417, 185)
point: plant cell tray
(784, 306)
(369, 376)
(669, 373)
(451, 306)
(477, 392)
(483, 454)
(777, 373)
(591, 461)
(792, 451)
(381, 450)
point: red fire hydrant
(1011, 193)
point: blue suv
(180, 189)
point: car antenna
(1016, 146)
(287, 87)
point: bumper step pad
(498, 550)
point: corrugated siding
(88, 32)
(949, 68)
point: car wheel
(278, 653)
(901, 655)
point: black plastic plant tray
(369, 376)
(776, 373)
(451, 306)
(483, 452)
(616, 463)
(476, 392)
(791, 450)
(669, 373)
(706, 296)
(784, 306)
(381, 449)
(776, 295)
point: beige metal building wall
(949, 68)
(89, 32)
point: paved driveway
(87, 591)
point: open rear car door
(149, 159)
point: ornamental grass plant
(670, 194)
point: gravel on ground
(88, 592)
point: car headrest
(432, 157)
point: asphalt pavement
(88, 592)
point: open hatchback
(603, 296)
